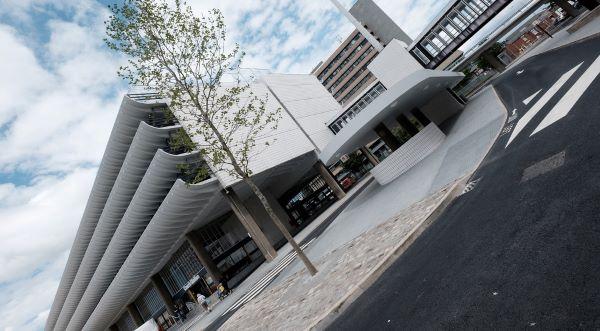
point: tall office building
(345, 74)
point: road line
(566, 103)
(541, 103)
(531, 97)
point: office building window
(459, 21)
(337, 57)
(149, 302)
(125, 323)
(182, 267)
(421, 56)
(443, 36)
(357, 107)
(450, 28)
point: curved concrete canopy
(131, 113)
(170, 222)
(158, 180)
(124, 206)
(413, 91)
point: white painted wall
(309, 103)
(393, 64)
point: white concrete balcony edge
(158, 180)
(183, 204)
(131, 113)
(409, 154)
(132, 200)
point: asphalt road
(522, 249)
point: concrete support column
(163, 291)
(135, 315)
(387, 136)
(198, 247)
(372, 158)
(542, 30)
(496, 64)
(407, 124)
(567, 7)
(330, 180)
(418, 114)
(250, 224)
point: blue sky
(59, 95)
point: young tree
(185, 58)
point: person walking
(203, 303)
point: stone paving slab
(301, 302)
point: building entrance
(306, 200)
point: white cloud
(50, 108)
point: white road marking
(531, 97)
(266, 279)
(567, 102)
(520, 72)
(541, 103)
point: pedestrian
(203, 303)
(221, 291)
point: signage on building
(191, 282)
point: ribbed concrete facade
(175, 215)
(156, 183)
(409, 154)
(128, 120)
(161, 169)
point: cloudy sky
(59, 95)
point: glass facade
(126, 323)
(181, 268)
(149, 303)
(357, 107)
(443, 34)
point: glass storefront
(150, 305)
(307, 200)
(126, 323)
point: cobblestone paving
(300, 301)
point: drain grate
(543, 166)
(470, 186)
(507, 129)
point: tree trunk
(309, 266)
